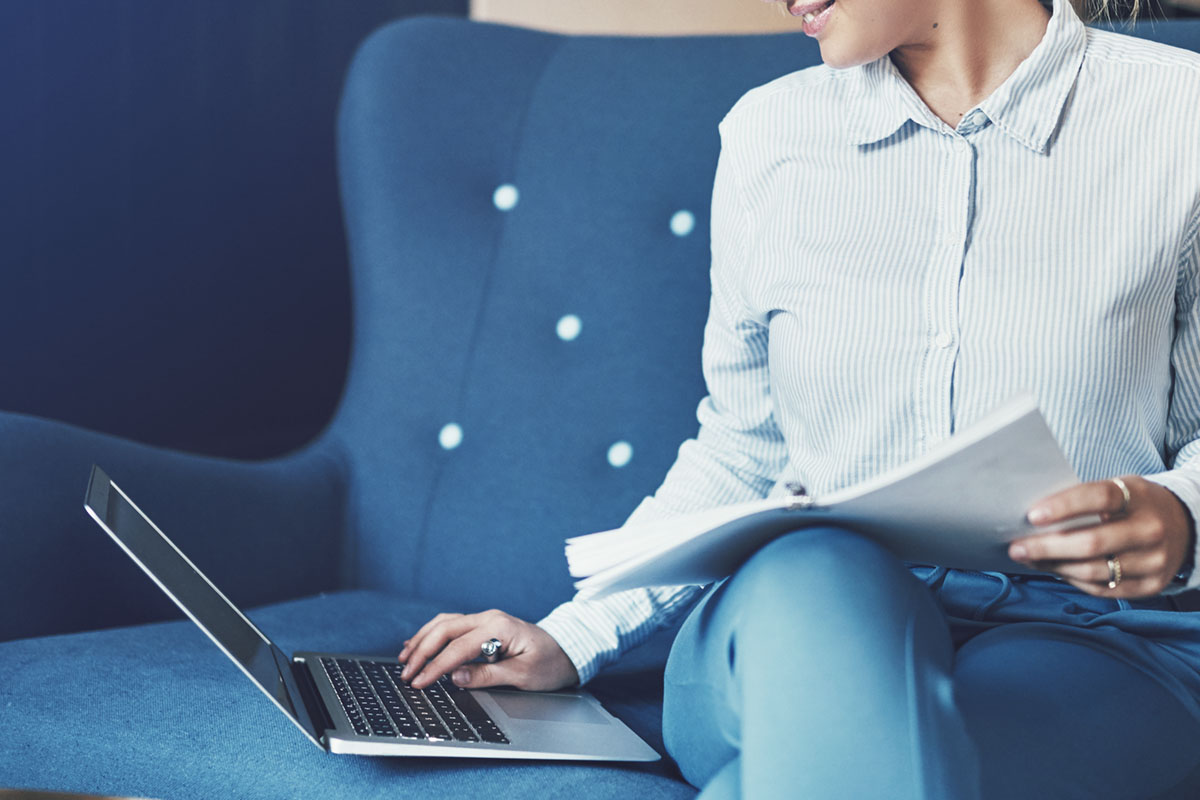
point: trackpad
(548, 707)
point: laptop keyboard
(378, 703)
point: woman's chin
(842, 57)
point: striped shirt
(881, 278)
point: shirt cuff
(590, 650)
(594, 633)
(1184, 484)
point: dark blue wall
(183, 151)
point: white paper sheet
(959, 505)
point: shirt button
(943, 340)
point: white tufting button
(568, 328)
(620, 454)
(505, 197)
(683, 223)
(450, 436)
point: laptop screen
(188, 587)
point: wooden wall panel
(666, 17)
(646, 17)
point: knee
(821, 560)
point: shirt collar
(1027, 106)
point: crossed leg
(823, 668)
(1058, 712)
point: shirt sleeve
(736, 456)
(1183, 421)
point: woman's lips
(815, 15)
(798, 10)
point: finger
(1138, 587)
(433, 642)
(412, 643)
(1134, 564)
(464, 648)
(1096, 497)
(1085, 543)
(507, 672)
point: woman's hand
(1150, 539)
(529, 659)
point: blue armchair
(527, 220)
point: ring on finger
(1114, 571)
(491, 650)
(1124, 496)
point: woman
(968, 199)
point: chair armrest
(261, 531)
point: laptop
(347, 703)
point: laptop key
(435, 730)
(412, 733)
(428, 720)
(464, 735)
(492, 734)
(409, 712)
(470, 707)
(361, 723)
(383, 729)
(433, 727)
(466, 704)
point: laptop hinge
(311, 697)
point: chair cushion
(158, 711)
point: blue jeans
(827, 668)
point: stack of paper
(959, 505)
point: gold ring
(1124, 496)
(1114, 571)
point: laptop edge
(294, 685)
(266, 661)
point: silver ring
(1114, 571)
(491, 650)
(1124, 496)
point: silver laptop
(358, 704)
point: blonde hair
(1102, 10)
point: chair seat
(158, 711)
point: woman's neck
(970, 50)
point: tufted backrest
(528, 225)
(527, 216)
